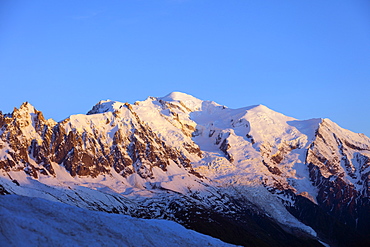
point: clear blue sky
(305, 59)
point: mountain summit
(249, 176)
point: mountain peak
(24, 110)
(26, 106)
(105, 106)
(178, 96)
(258, 107)
(189, 101)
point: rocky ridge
(248, 176)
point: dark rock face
(250, 229)
(3, 191)
(333, 231)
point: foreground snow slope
(29, 221)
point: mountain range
(248, 176)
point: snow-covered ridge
(189, 101)
(201, 153)
(106, 106)
(181, 99)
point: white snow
(238, 126)
(337, 141)
(27, 221)
(189, 101)
(106, 106)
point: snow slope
(29, 221)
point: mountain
(248, 176)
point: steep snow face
(27, 221)
(340, 146)
(341, 153)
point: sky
(305, 59)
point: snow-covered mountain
(249, 176)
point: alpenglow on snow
(248, 176)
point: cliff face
(249, 176)
(339, 166)
(85, 145)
